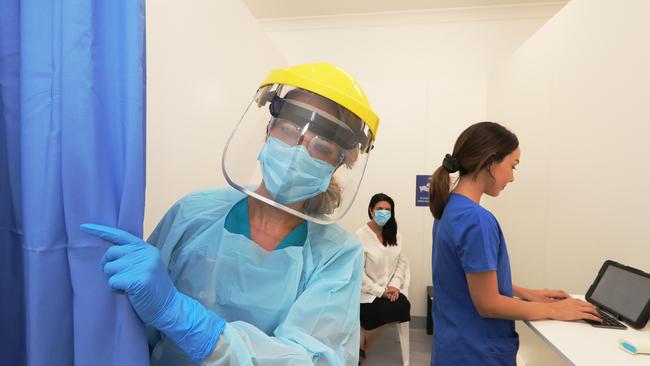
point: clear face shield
(299, 152)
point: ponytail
(438, 191)
(478, 147)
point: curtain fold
(72, 150)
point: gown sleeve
(321, 328)
(184, 217)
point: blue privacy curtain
(72, 150)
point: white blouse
(385, 266)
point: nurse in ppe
(258, 273)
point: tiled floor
(385, 351)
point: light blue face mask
(381, 217)
(291, 174)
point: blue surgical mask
(290, 173)
(381, 217)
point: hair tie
(451, 164)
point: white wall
(425, 74)
(204, 64)
(577, 96)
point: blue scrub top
(468, 239)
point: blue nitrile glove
(134, 267)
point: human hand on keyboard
(545, 295)
(607, 321)
(573, 309)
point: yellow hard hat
(329, 81)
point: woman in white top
(386, 271)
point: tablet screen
(624, 292)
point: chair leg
(403, 331)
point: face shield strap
(320, 123)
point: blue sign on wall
(422, 190)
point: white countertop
(581, 344)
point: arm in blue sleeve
(478, 242)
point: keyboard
(608, 321)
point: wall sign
(422, 183)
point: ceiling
(268, 9)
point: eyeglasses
(317, 146)
(321, 123)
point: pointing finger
(112, 234)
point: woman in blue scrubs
(475, 302)
(258, 273)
